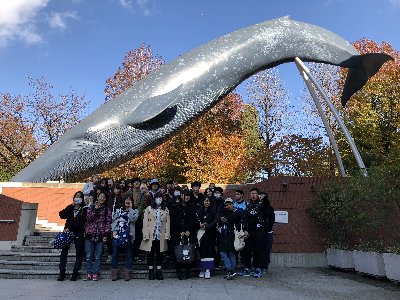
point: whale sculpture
(157, 106)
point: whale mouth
(361, 68)
(159, 121)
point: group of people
(134, 216)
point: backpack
(123, 238)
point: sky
(78, 44)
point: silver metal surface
(323, 118)
(154, 108)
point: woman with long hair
(156, 233)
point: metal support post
(347, 135)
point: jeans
(128, 255)
(97, 249)
(80, 251)
(229, 259)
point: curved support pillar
(305, 71)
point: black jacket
(74, 224)
(196, 200)
(227, 233)
(258, 216)
(208, 216)
(183, 218)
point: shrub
(361, 212)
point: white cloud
(126, 3)
(58, 20)
(395, 2)
(144, 6)
(17, 20)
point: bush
(361, 212)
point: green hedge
(361, 212)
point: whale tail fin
(361, 68)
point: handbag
(185, 253)
(200, 234)
(239, 242)
(63, 239)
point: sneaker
(207, 274)
(258, 273)
(245, 272)
(232, 274)
(95, 277)
(88, 277)
(201, 274)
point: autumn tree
(137, 64)
(372, 114)
(29, 124)
(268, 94)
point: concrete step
(46, 233)
(35, 249)
(29, 256)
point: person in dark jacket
(184, 224)
(75, 216)
(228, 219)
(270, 233)
(196, 198)
(208, 221)
(256, 221)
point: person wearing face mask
(171, 204)
(184, 225)
(156, 233)
(75, 216)
(208, 222)
(123, 225)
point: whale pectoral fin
(361, 68)
(154, 106)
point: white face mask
(177, 193)
(216, 195)
(158, 201)
(77, 200)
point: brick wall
(300, 235)
(10, 209)
(51, 198)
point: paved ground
(287, 283)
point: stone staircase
(37, 259)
